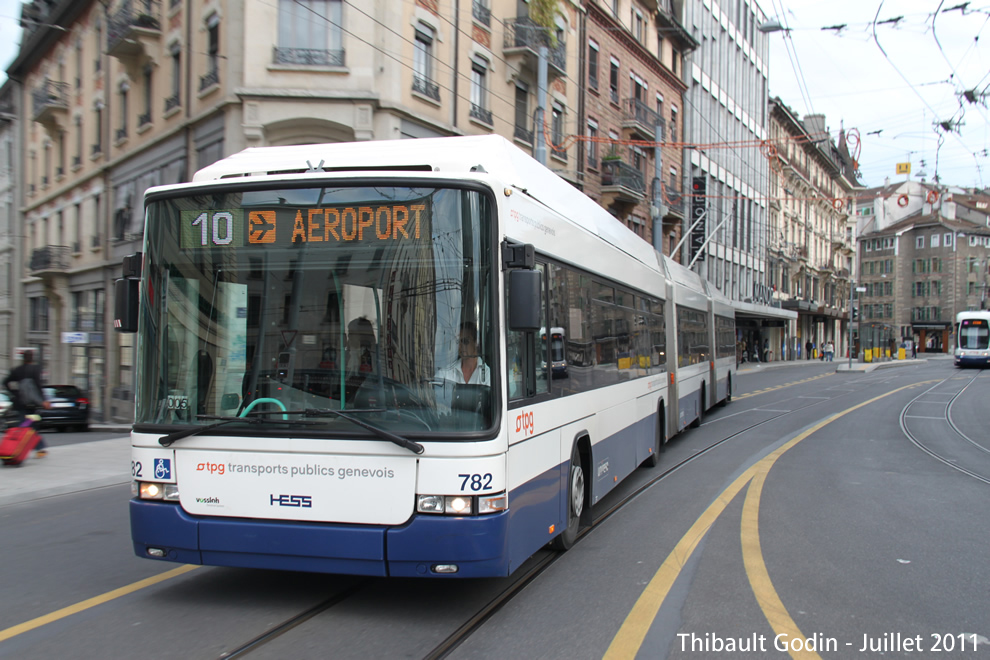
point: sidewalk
(69, 469)
(841, 364)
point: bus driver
(469, 368)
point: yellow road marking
(629, 638)
(93, 602)
(779, 387)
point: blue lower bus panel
(476, 546)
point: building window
(593, 65)
(479, 90)
(613, 80)
(557, 131)
(122, 131)
(176, 57)
(98, 31)
(39, 314)
(592, 144)
(919, 242)
(638, 25)
(935, 240)
(423, 63)
(77, 158)
(309, 32)
(673, 125)
(522, 131)
(145, 117)
(98, 123)
(948, 240)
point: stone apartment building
(810, 244)
(924, 257)
(634, 64)
(111, 98)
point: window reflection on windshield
(348, 298)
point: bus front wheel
(575, 503)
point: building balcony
(49, 261)
(209, 79)
(480, 114)
(523, 135)
(50, 103)
(674, 199)
(134, 30)
(426, 87)
(641, 119)
(622, 182)
(172, 102)
(523, 39)
(308, 56)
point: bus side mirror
(524, 300)
(125, 305)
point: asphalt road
(817, 517)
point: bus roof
(478, 155)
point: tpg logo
(297, 501)
(212, 468)
(524, 423)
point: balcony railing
(308, 56)
(615, 173)
(50, 98)
(481, 13)
(172, 102)
(211, 78)
(523, 135)
(135, 17)
(53, 258)
(426, 87)
(524, 33)
(144, 119)
(638, 115)
(479, 113)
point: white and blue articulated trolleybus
(340, 364)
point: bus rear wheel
(575, 503)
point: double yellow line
(629, 639)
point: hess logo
(524, 423)
(297, 501)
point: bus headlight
(147, 490)
(462, 505)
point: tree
(544, 13)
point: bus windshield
(374, 300)
(974, 334)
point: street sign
(861, 289)
(75, 337)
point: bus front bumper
(476, 546)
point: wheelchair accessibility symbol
(163, 468)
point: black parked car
(68, 408)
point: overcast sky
(900, 81)
(931, 59)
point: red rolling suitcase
(17, 443)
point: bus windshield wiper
(405, 443)
(167, 440)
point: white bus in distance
(973, 343)
(339, 367)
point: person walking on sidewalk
(26, 394)
(829, 350)
(808, 346)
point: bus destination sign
(285, 227)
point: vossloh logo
(208, 500)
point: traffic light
(855, 313)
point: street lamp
(772, 26)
